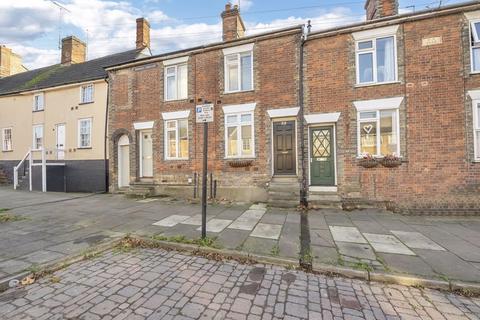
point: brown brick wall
(435, 144)
(138, 95)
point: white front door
(146, 154)
(60, 129)
(123, 162)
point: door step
(324, 200)
(140, 190)
(284, 192)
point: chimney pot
(143, 34)
(228, 7)
(73, 50)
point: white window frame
(476, 43)
(79, 140)
(377, 120)
(373, 51)
(82, 93)
(238, 52)
(34, 142)
(39, 107)
(239, 110)
(3, 139)
(177, 83)
(476, 129)
(177, 139)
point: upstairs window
(475, 45)
(238, 68)
(176, 82)
(86, 93)
(37, 137)
(85, 133)
(376, 60)
(7, 139)
(38, 102)
(378, 132)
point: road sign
(204, 113)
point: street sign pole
(204, 180)
(204, 114)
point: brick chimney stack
(73, 50)
(233, 27)
(143, 33)
(377, 9)
(10, 62)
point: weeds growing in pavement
(6, 217)
(207, 242)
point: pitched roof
(57, 75)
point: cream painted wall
(62, 105)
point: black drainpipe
(303, 189)
(106, 139)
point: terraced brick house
(59, 113)
(380, 113)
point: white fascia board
(238, 49)
(143, 125)
(474, 94)
(322, 117)
(473, 15)
(285, 112)
(239, 108)
(375, 33)
(378, 104)
(176, 115)
(172, 62)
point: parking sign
(204, 113)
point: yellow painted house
(59, 113)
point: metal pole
(204, 181)
(30, 173)
(44, 170)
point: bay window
(376, 60)
(176, 139)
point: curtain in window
(385, 60)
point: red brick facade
(438, 173)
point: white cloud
(111, 27)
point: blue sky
(31, 27)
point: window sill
(83, 103)
(38, 110)
(361, 85)
(177, 100)
(240, 158)
(7, 150)
(176, 159)
(84, 148)
(240, 91)
(376, 157)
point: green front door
(322, 160)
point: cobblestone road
(156, 284)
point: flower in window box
(367, 161)
(391, 161)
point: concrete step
(284, 180)
(283, 203)
(143, 190)
(325, 204)
(324, 196)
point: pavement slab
(347, 234)
(387, 244)
(267, 231)
(216, 225)
(416, 240)
(356, 250)
(171, 221)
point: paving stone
(104, 308)
(267, 231)
(387, 244)
(347, 234)
(417, 240)
(216, 225)
(171, 221)
(407, 264)
(356, 250)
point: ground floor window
(85, 133)
(239, 135)
(37, 137)
(176, 141)
(7, 139)
(476, 126)
(378, 132)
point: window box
(240, 163)
(391, 161)
(367, 161)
